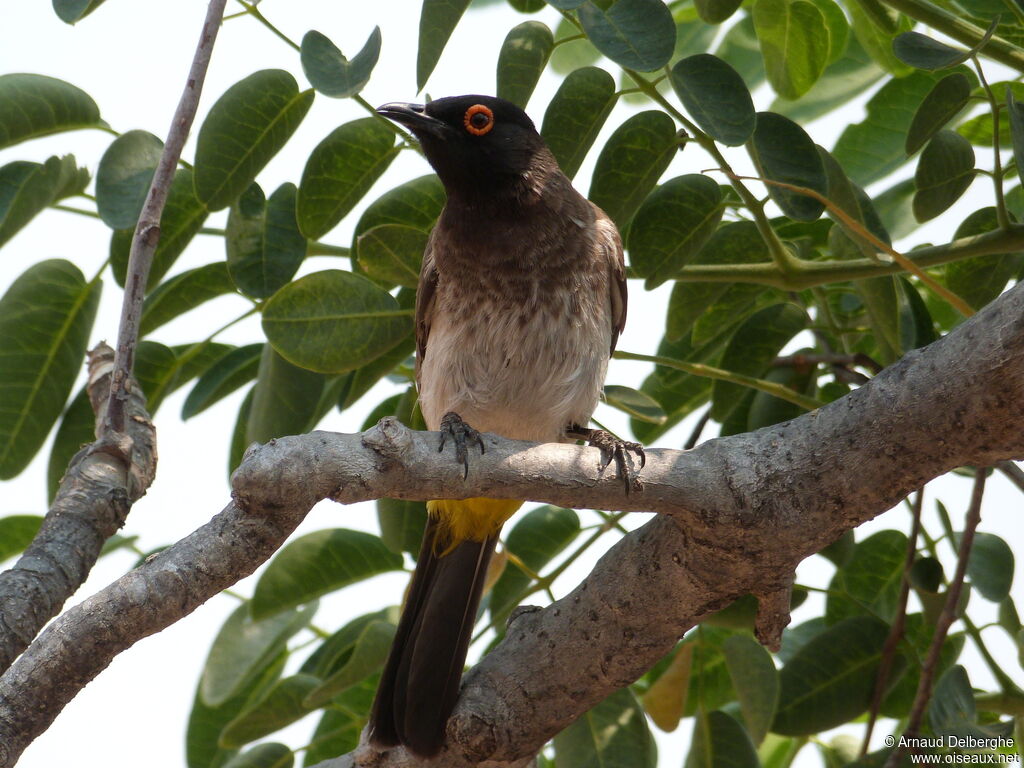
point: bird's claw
(611, 448)
(461, 434)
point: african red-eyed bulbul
(521, 298)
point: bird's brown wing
(609, 250)
(425, 303)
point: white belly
(522, 375)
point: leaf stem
(252, 10)
(997, 163)
(962, 31)
(784, 260)
(699, 369)
(855, 227)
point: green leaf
(980, 279)
(282, 705)
(631, 162)
(333, 321)
(739, 47)
(392, 253)
(35, 105)
(784, 152)
(718, 740)
(123, 177)
(716, 97)
(877, 39)
(944, 172)
(156, 368)
(46, 317)
(838, 28)
(636, 34)
(244, 129)
(871, 578)
(922, 52)
(521, 60)
(401, 524)
(285, 400)
(895, 208)
(330, 72)
(244, 649)
(613, 733)
(575, 115)
(794, 43)
(70, 11)
(672, 225)
(874, 148)
(944, 101)
(577, 53)
(637, 404)
(181, 220)
(183, 292)
(231, 371)
(752, 348)
(990, 567)
(438, 19)
(264, 245)
(26, 189)
(536, 539)
(879, 297)
(415, 203)
(338, 730)
(205, 723)
(766, 409)
(340, 170)
(270, 755)
(726, 313)
(368, 654)
(951, 710)
(77, 428)
(735, 243)
(830, 679)
(756, 682)
(844, 79)
(319, 563)
(716, 11)
(16, 533)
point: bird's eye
(478, 119)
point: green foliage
(737, 253)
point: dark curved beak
(413, 116)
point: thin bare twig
(798, 360)
(946, 619)
(898, 626)
(147, 231)
(691, 441)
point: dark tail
(421, 679)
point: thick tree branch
(94, 497)
(738, 514)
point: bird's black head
(479, 145)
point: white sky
(132, 57)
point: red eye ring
(478, 119)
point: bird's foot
(452, 426)
(612, 447)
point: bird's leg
(452, 426)
(611, 447)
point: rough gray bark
(738, 514)
(95, 495)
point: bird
(520, 302)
